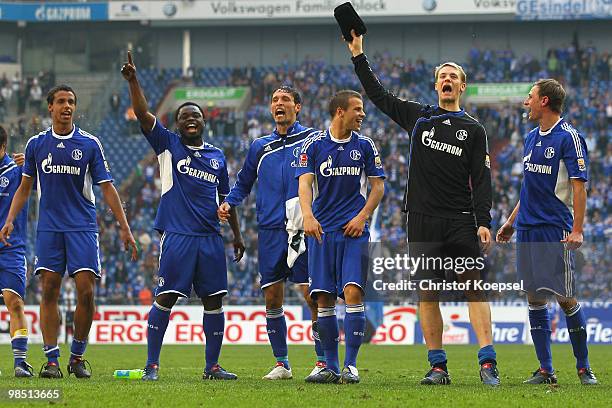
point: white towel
(295, 229)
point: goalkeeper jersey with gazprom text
(449, 171)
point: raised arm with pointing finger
(139, 102)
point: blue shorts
(272, 256)
(187, 261)
(336, 262)
(543, 263)
(13, 266)
(73, 251)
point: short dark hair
(341, 100)
(552, 89)
(176, 114)
(297, 98)
(3, 137)
(56, 89)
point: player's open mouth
(191, 127)
(66, 114)
(279, 112)
(447, 89)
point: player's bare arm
(354, 228)
(504, 233)
(238, 242)
(139, 102)
(312, 228)
(111, 197)
(19, 200)
(575, 238)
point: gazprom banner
(563, 9)
(53, 12)
(294, 9)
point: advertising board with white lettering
(247, 325)
(295, 9)
(53, 12)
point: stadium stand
(585, 74)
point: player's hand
(128, 242)
(354, 228)
(356, 46)
(19, 158)
(5, 233)
(239, 248)
(223, 212)
(573, 240)
(312, 228)
(485, 238)
(504, 233)
(128, 70)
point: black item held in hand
(348, 20)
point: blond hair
(450, 64)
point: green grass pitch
(390, 377)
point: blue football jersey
(341, 168)
(271, 161)
(66, 168)
(551, 159)
(10, 178)
(192, 179)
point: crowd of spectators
(584, 72)
(19, 94)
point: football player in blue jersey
(66, 161)
(549, 220)
(272, 160)
(13, 263)
(194, 180)
(338, 162)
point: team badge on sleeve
(487, 161)
(581, 164)
(378, 162)
(303, 160)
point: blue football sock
(354, 328)
(437, 358)
(77, 349)
(52, 352)
(541, 329)
(277, 333)
(487, 355)
(19, 343)
(159, 316)
(317, 341)
(329, 334)
(214, 326)
(576, 325)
